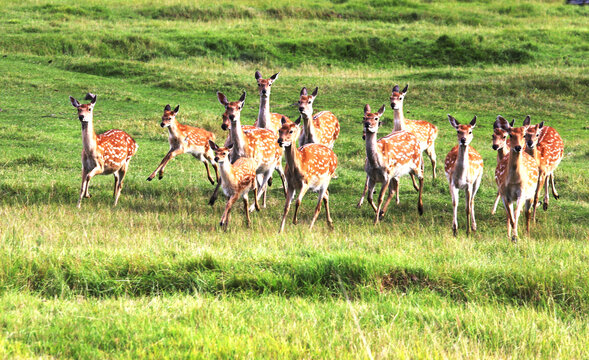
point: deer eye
(290, 132)
(470, 132)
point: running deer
(310, 167)
(546, 146)
(426, 132)
(186, 139)
(500, 145)
(266, 119)
(322, 128)
(464, 171)
(258, 144)
(102, 154)
(387, 160)
(517, 177)
(237, 181)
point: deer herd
(527, 157)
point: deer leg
(528, 211)
(302, 193)
(327, 213)
(496, 203)
(554, 193)
(247, 212)
(262, 181)
(290, 193)
(256, 204)
(509, 211)
(282, 177)
(431, 153)
(83, 187)
(215, 193)
(414, 182)
(383, 191)
(467, 195)
(318, 207)
(160, 169)
(370, 194)
(518, 208)
(89, 175)
(209, 173)
(392, 187)
(546, 185)
(361, 201)
(539, 186)
(420, 199)
(455, 196)
(225, 217)
(121, 176)
(397, 191)
(117, 179)
(477, 184)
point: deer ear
(74, 102)
(242, 98)
(176, 109)
(168, 108)
(213, 145)
(473, 122)
(512, 123)
(230, 146)
(453, 121)
(381, 110)
(91, 97)
(503, 124)
(541, 125)
(283, 120)
(222, 98)
(366, 109)
(405, 89)
(527, 120)
(258, 75)
(315, 92)
(298, 121)
(304, 91)
(275, 76)
(395, 88)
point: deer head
(516, 135)
(499, 135)
(532, 133)
(464, 132)
(372, 120)
(289, 132)
(84, 110)
(397, 97)
(169, 115)
(306, 102)
(232, 109)
(264, 85)
(221, 153)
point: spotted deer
(546, 146)
(237, 181)
(517, 177)
(464, 171)
(310, 167)
(266, 119)
(321, 128)
(102, 154)
(387, 160)
(426, 132)
(186, 139)
(500, 145)
(258, 144)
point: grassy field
(156, 278)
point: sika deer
(309, 167)
(387, 160)
(322, 128)
(517, 177)
(237, 180)
(546, 146)
(500, 145)
(186, 139)
(102, 154)
(464, 170)
(266, 119)
(258, 144)
(426, 133)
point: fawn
(237, 180)
(102, 154)
(266, 119)
(464, 171)
(387, 160)
(546, 146)
(258, 144)
(322, 128)
(426, 132)
(186, 139)
(517, 177)
(500, 145)
(310, 167)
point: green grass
(156, 277)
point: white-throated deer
(501, 145)
(387, 160)
(186, 139)
(546, 146)
(102, 154)
(237, 180)
(266, 119)
(321, 128)
(464, 171)
(517, 177)
(309, 167)
(258, 144)
(426, 132)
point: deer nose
(530, 143)
(81, 117)
(264, 92)
(495, 147)
(224, 127)
(301, 108)
(162, 124)
(463, 140)
(518, 148)
(216, 159)
(280, 142)
(231, 117)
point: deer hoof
(270, 182)
(420, 209)
(514, 239)
(556, 196)
(381, 215)
(150, 178)
(454, 231)
(545, 206)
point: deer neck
(399, 119)
(501, 153)
(88, 136)
(308, 126)
(293, 157)
(372, 149)
(238, 140)
(461, 166)
(226, 172)
(533, 152)
(515, 170)
(173, 129)
(264, 113)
